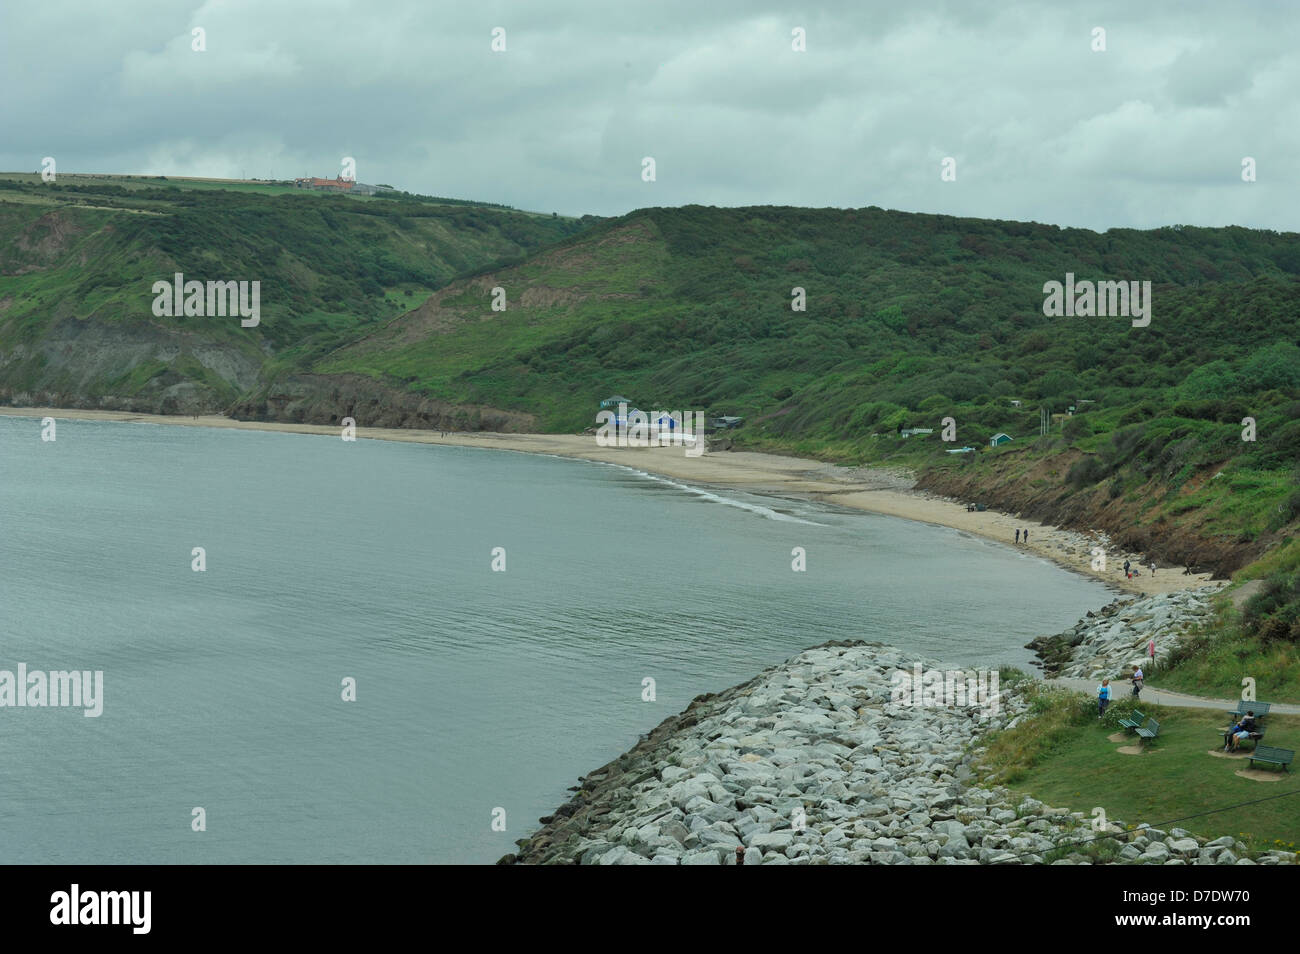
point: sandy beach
(877, 491)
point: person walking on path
(1137, 682)
(1103, 697)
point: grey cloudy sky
(1150, 132)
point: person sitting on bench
(1241, 730)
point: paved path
(1121, 694)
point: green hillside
(910, 319)
(907, 315)
(78, 261)
(382, 309)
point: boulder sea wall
(1107, 643)
(816, 761)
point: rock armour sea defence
(811, 762)
(1107, 643)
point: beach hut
(666, 422)
(999, 439)
(615, 401)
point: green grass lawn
(1216, 662)
(1063, 757)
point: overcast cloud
(1150, 132)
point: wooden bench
(1150, 730)
(1259, 708)
(1272, 756)
(1134, 721)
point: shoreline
(871, 490)
(827, 758)
(900, 785)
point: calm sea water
(476, 690)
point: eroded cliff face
(81, 324)
(328, 398)
(147, 368)
(1038, 492)
(126, 366)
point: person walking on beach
(1103, 697)
(1017, 536)
(1137, 681)
(1128, 573)
(1026, 534)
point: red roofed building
(340, 184)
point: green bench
(1272, 756)
(1134, 721)
(1257, 736)
(1259, 708)
(1254, 737)
(1150, 730)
